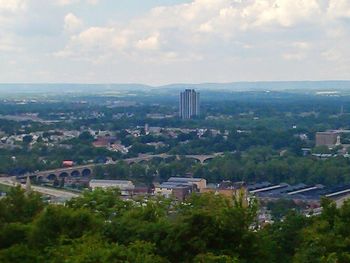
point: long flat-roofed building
(199, 182)
(123, 185)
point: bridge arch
(75, 173)
(142, 161)
(157, 159)
(51, 177)
(168, 159)
(205, 160)
(86, 172)
(194, 158)
(63, 175)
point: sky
(159, 42)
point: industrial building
(123, 185)
(180, 187)
(300, 192)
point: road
(40, 189)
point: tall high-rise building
(189, 104)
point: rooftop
(184, 179)
(111, 181)
(173, 185)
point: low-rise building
(237, 191)
(172, 189)
(102, 142)
(327, 138)
(123, 185)
(180, 187)
(118, 147)
(200, 183)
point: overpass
(85, 171)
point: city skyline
(171, 41)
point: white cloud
(95, 36)
(210, 38)
(293, 56)
(297, 51)
(149, 43)
(332, 54)
(9, 9)
(12, 5)
(339, 8)
(92, 2)
(66, 2)
(202, 22)
(72, 23)
(8, 44)
(301, 45)
(282, 12)
(91, 44)
(71, 2)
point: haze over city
(170, 131)
(173, 41)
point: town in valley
(181, 142)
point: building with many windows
(330, 138)
(189, 106)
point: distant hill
(302, 86)
(68, 88)
(267, 85)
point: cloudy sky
(171, 41)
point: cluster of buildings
(335, 140)
(171, 132)
(180, 187)
(110, 143)
(159, 116)
(49, 138)
(175, 187)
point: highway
(40, 189)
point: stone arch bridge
(85, 171)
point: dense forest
(101, 227)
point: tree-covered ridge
(101, 227)
(255, 165)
